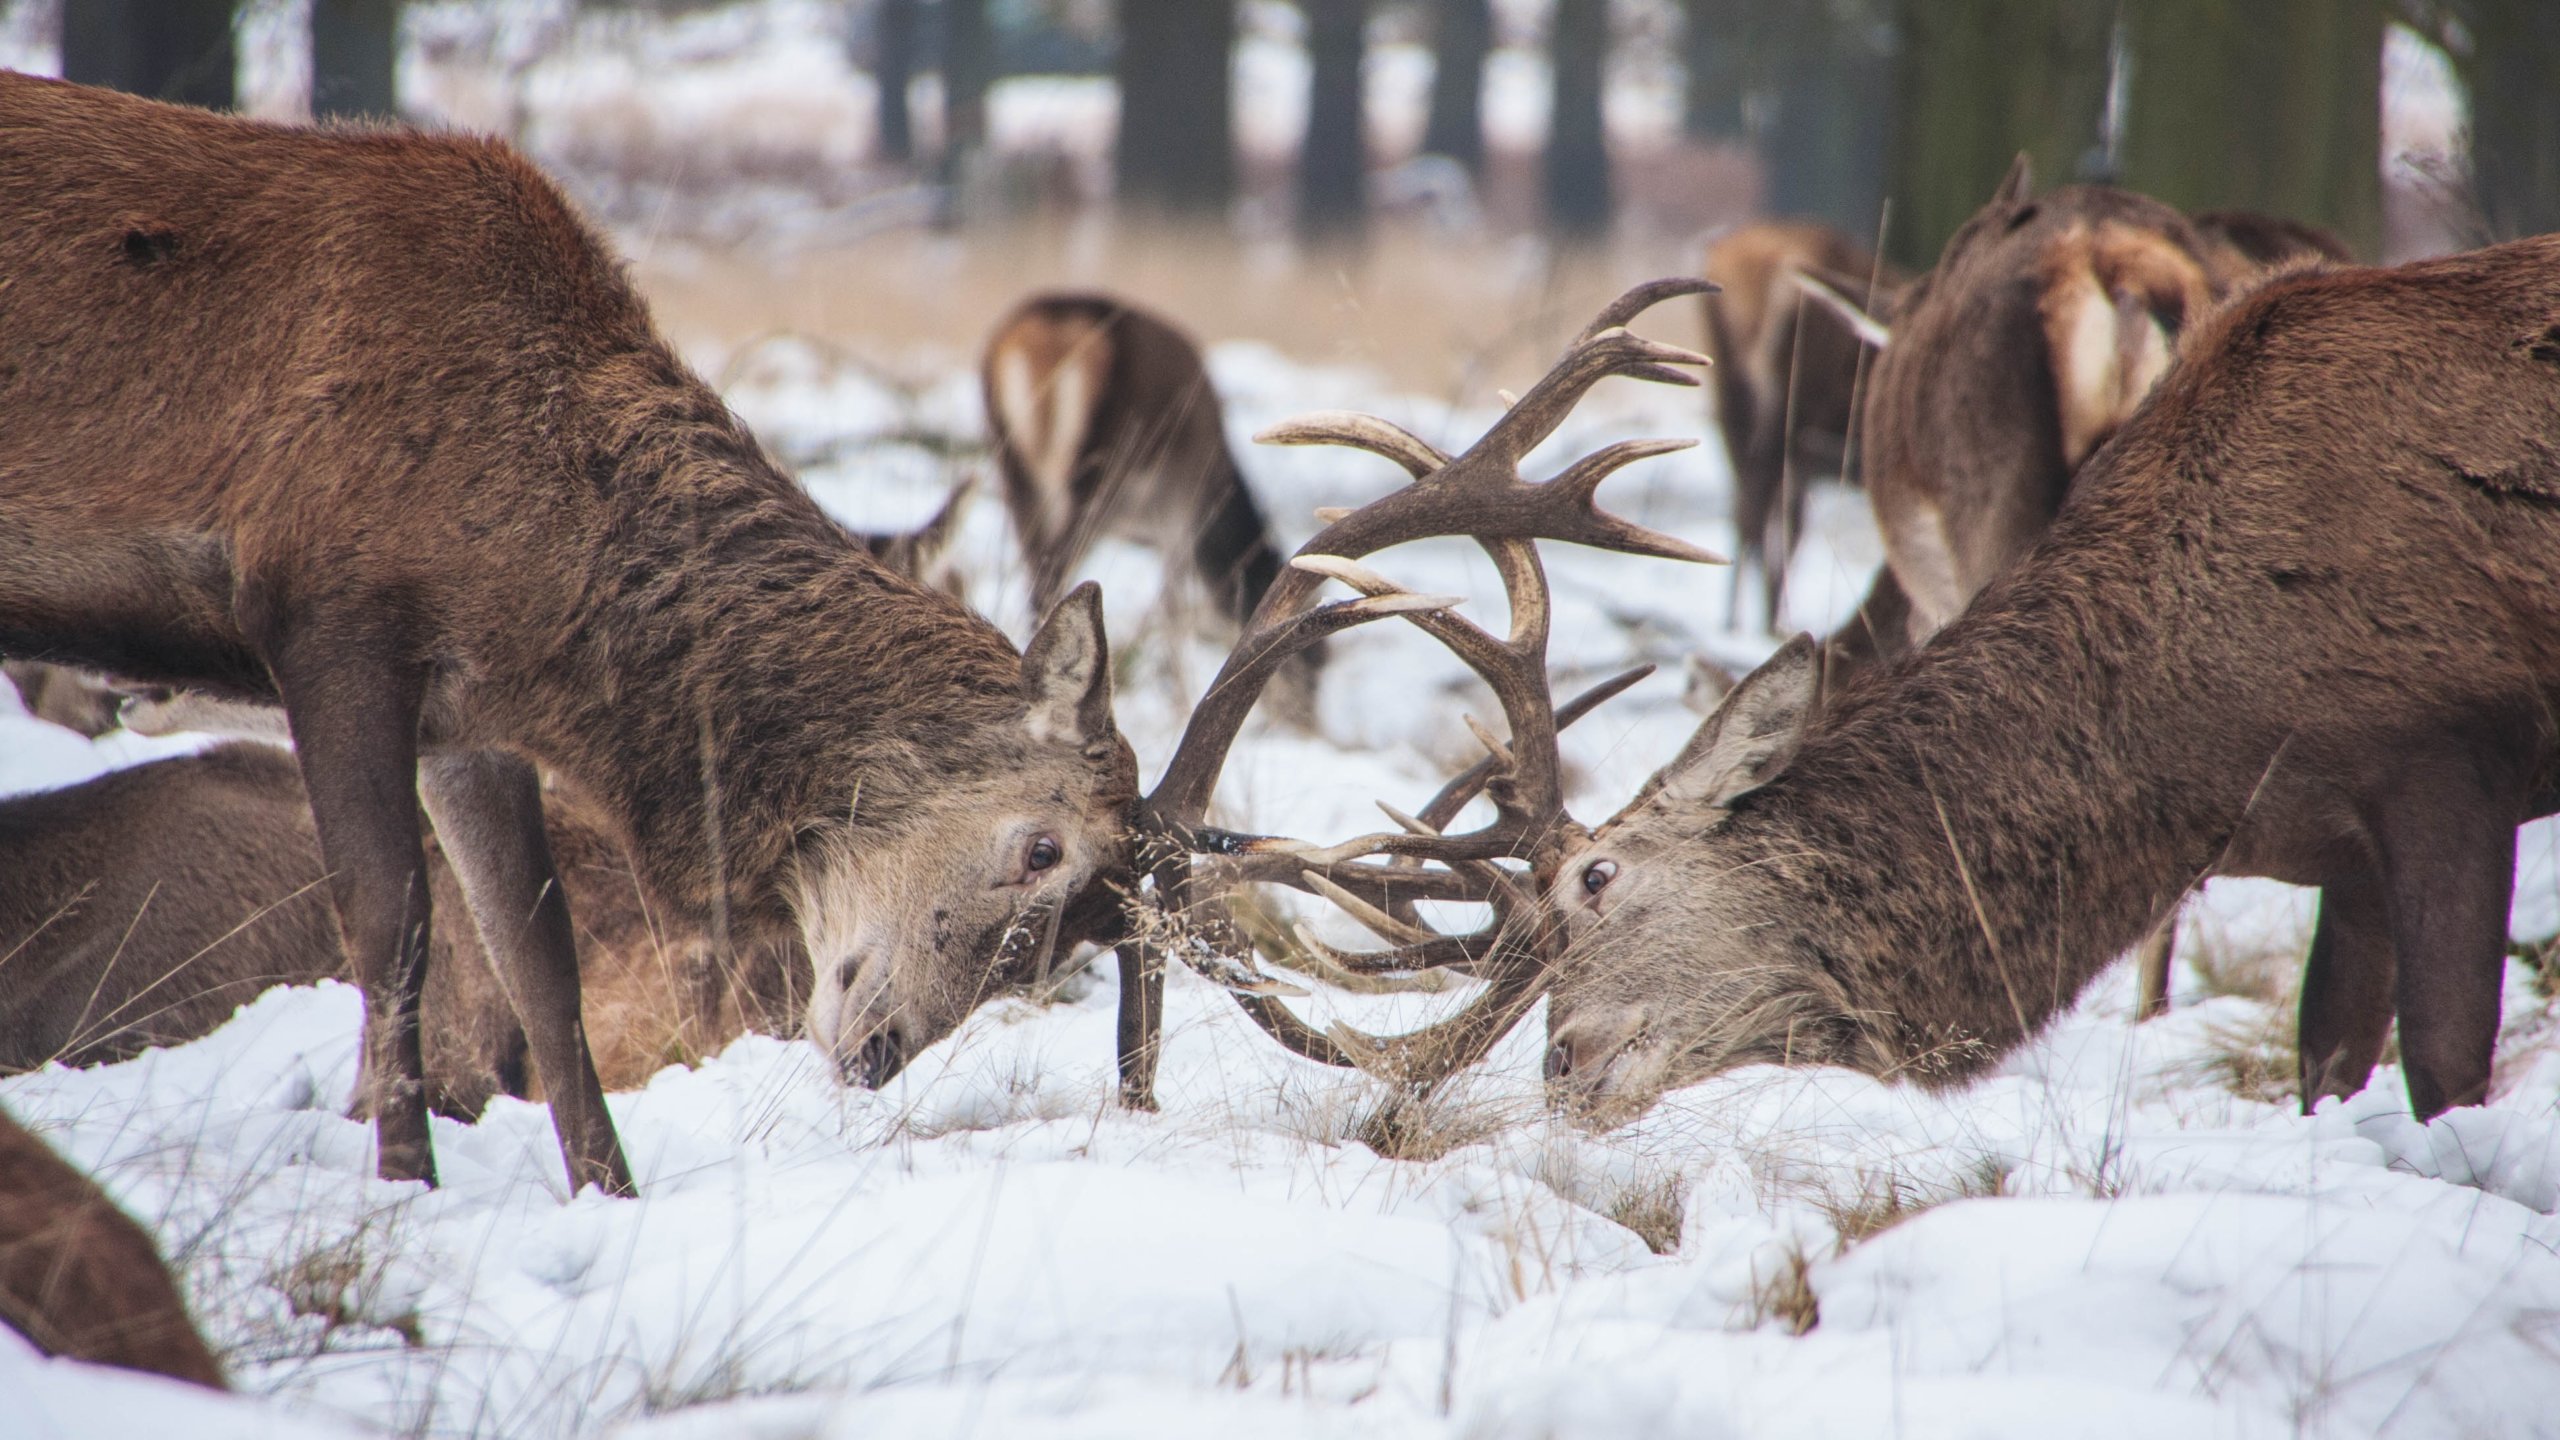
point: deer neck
(1962, 851)
(738, 671)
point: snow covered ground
(2126, 1232)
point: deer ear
(1752, 735)
(2019, 185)
(1066, 672)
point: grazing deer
(1106, 424)
(143, 907)
(79, 1279)
(449, 499)
(2300, 619)
(1787, 373)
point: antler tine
(1470, 782)
(1418, 456)
(1606, 348)
(1627, 307)
(1433, 1053)
(1434, 952)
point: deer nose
(1559, 1059)
(881, 1057)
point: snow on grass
(2112, 1235)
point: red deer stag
(1787, 379)
(79, 1279)
(369, 425)
(1106, 424)
(2199, 670)
(1504, 864)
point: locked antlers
(1377, 878)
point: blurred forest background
(1417, 184)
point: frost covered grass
(2115, 1234)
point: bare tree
(1577, 171)
(1176, 149)
(1461, 37)
(1333, 161)
(2507, 52)
(168, 49)
(894, 27)
(968, 68)
(355, 57)
(2271, 105)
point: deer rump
(1106, 425)
(143, 908)
(2045, 323)
(2299, 619)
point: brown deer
(369, 425)
(141, 908)
(1786, 378)
(1106, 424)
(79, 1279)
(2299, 619)
(2045, 322)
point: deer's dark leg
(488, 813)
(353, 701)
(2347, 1004)
(1141, 1024)
(2451, 864)
(2152, 959)
(1231, 549)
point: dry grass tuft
(1425, 1125)
(1786, 1297)
(1654, 1207)
(1883, 1201)
(341, 1284)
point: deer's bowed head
(916, 909)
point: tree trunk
(1823, 142)
(2513, 75)
(1176, 149)
(1713, 57)
(968, 68)
(1975, 85)
(1577, 169)
(1461, 38)
(893, 71)
(177, 50)
(355, 57)
(1333, 162)
(2272, 105)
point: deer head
(914, 917)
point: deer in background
(80, 1279)
(144, 907)
(1106, 424)
(1786, 379)
(2199, 670)
(450, 502)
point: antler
(1478, 495)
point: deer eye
(1044, 855)
(1597, 875)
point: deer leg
(2151, 961)
(488, 815)
(1141, 1024)
(355, 731)
(2452, 879)
(2346, 1005)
